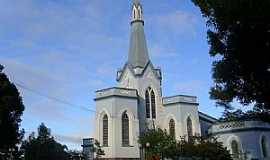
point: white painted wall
(248, 140)
(180, 112)
(115, 107)
(141, 82)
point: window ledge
(128, 146)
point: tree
(239, 38)
(76, 155)
(43, 147)
(239, 115)
(157, 142)
(205, 149)
(163, 145)
(11, 110)
(98, 150)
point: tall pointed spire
(138, 52)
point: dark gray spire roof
(138, 52)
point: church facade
(137, 103)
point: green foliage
(202, 149)
(239, 115)
(98, 150)
(11, 110)
(76, 155)
(161, 144)
(239, 37)
(43, 147)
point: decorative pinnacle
(137, 13)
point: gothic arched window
(235, 149)
(172, 128)
(150, 103)
(134, 13)
(153, 104)
(264, 147)
(105, 130)
(125, 130)
(189, 128)
(147, 104)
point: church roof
(179, 99)
(208, 118)
(138, 52)
(116, 92)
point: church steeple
(138, 52)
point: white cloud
(56, 74)
(50, 83)
(35, 25)
(25, 73)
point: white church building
(136, 103)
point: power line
(53, 98)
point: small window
(153, 104)
(125, 130)
(235, 149)
(147, 104)
(264, 147)
(172, 128)
(189, 128)
(105, 130)
(134, 13)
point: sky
(59, 52)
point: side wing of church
(136, 103)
